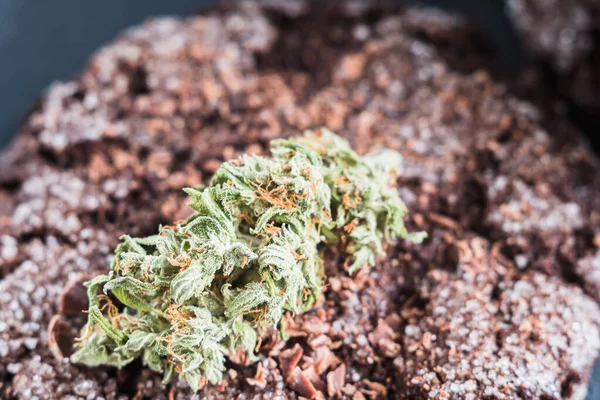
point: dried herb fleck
(210, 286)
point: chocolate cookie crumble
(499, 302)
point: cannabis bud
(210, 286)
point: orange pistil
(88, 333)
(315, 145)
(349, 227)
(272, 230)
(182, 261)
(308, 175)
(202, 381)
(296, 255)
(258, 314)
(170, 227)
(357, 195)
(278, 196)
(111, 310)
(118, 264)
(258, 343)
(340, 181)
(178, 318)
(347, 201)
(306, 292)
(172, 358)
(347, 264)
(245, 217)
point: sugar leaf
(210, 286)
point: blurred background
(43, 41)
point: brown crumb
(73, 300)
(336, 380)
(289, 359)
(60, 337)
(299, 382)
(259, 379)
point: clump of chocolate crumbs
(499, 302)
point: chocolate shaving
(394, 321)
(382, 339)
(292, 328)
(314, 377)
(335, 284)
(349, 389)
(299, 382)
(319, 341)
(312, 324)
(60, 337)
(358, 396)
(336, 380)
(289, 359)
(324, 359)
(73, 300)
(377, 390)
(239, 357)
(259, 379)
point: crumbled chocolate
(315, 379)
(383, 339)
(289, 359)
(375, 389)
(336, 380)
(497, 303)
(301, 384)
(563, 36)
(323, 359)
(73, 300)
(60, 337)
(258, 380)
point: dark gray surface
(42, 41)
(594, 390)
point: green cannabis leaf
(209, 287)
